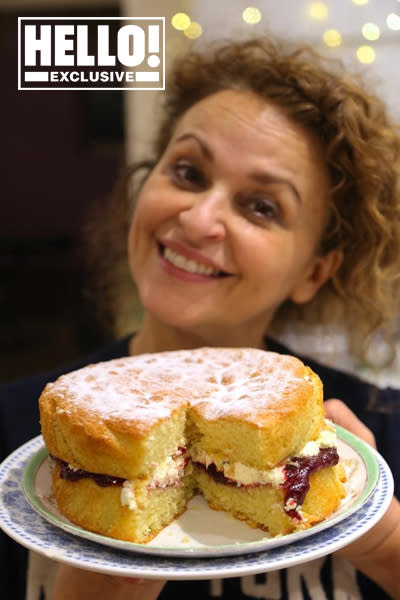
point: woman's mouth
(189, 265)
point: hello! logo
(56, 53)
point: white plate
(215, 546)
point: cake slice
(264, 451)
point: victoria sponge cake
(132, 439)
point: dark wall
(60, 152)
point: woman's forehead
(244, 112)
(228, 104)
(253, 127)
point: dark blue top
(378, 408)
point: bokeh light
(360, 2)
(371, 31)
(318, 11)
(194, 30)
(180, 21)
(251, 15)
(366, 55)
(332, 38)
(393, 21)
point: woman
(273, 197)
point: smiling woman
(272, 197)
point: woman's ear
(321, 270)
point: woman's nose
(205, 217)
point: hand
(78, 584)
(377, 553)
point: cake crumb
(185, 539)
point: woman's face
(227, 225)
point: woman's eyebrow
(203, 146)
(266, 178)
(260, 177)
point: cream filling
(240, 473)
(246, 475)
(327, 439)
(128, 496)
(168, 473)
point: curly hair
(362, 152)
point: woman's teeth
(188, 264)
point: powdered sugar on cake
(243, 384)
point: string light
(194, 30)
(332, 38)
(371, 31)
(366, 55)
(318, 11)
(180, 21)
(251, 15)
(393, 21)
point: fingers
(339, 413)
(140, 589)
(77, 584)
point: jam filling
(70, 474)
(297, 477)
(296, 472)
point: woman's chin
(176, 314)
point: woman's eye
(264, 208)
(188, 174)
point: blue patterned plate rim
(29, 529)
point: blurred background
(62, 151)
